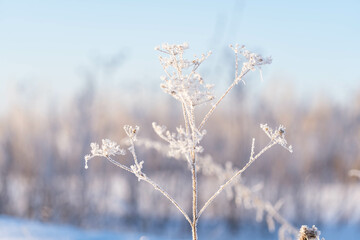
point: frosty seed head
(181, 80)
(277, 136)
(108, 148)
(131, 131)
(307, 233)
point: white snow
(19, 229)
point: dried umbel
(252, 61)
(277, 135)
(108, 149)
(307, 233)
(182, 81)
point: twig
(220, 99)
(155, 185)
(222, 187)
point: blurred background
(74, 72)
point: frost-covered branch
(307, 233)
(252, 61)
(277, 137)
(181, 142)
(181, 80)
(110, 148)
(207, 116)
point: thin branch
(220, 99)
(222, 187)
(132, 150)
(185, 119)
(194, 174)
(193, 123)
(236, 64)
(160, 50)
(187, 113)
(155, 185)
(194, 188)
(119, 165)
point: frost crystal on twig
(180, 143)
(251, 62)
(181, 80)
(108, 148)
(277, 136)
(307, 233)
(131, 131)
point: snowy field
(19, 229)
(16, 229)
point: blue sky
(48, 45)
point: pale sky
(50, 44)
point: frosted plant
(307, 233)
(276, 136)
(185, 84)
(108, 148)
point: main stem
(194, 207)
(189, 117)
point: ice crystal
(307, 233)
(250, 63)
(131, 131)
(181, 80)
(108, 148)
(277, 135)
(180, 143)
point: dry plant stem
(194, 175)
(155, 185)
(119, 165)
(236, 65)
(220, 99)
(194, 186)
(185, 118)
(222, 187)
(133, 153)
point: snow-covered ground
(20, 229)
